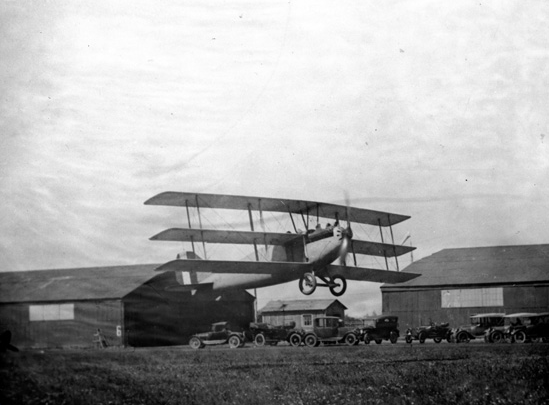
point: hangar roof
(300, 305)
(73, 284)
(480, 266)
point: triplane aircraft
(307, 256)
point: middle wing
(225, 236)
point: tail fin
(191, 280)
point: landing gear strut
(336, 284)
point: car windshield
(491, 321)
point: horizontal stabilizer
(373, 275)
(324, 210)
(192, 288)
(238, 267)
(379, 249)
(233, 237)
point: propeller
(347, 233)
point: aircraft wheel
(350, 339)
(311, 341)
(195, 343)
(259, 339)
(295, 339)
(234, 342)
(307, 283)
(341, 286)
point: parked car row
(498, 327)
(492, 327)
(326, 330)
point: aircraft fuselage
(319, 248)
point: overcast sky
(437, 110)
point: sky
(437, 110)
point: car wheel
(311, 341)
(462, 338)
(520, 337)
(378, 341)
(437, 339)
(409, 339)
(422, 336)
(393, 337)
(367, 339)
(195, 343)
(350, 339)
(497, 337)
(259, 339)
(340, 288)
(234, 342)
(295, 339)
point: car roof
(522, 315)
(488, 315)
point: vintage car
(383, 327)
(527, 327)
(480, 323)
(330, 330)
(434, 331)
(220, 333)
(500, 333)
(264, 333)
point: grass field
(378, 374)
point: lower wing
(366, 274)
(229, 266)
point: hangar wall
(419, 307)
(76, 332)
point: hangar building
(457, 283)
(302, 312)
(132, 305)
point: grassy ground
(385, 374)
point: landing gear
(307, 283)
(339, 286)
(336, 284)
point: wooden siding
(78, 332)
(419, 307)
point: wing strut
(189, 221)
(292, 218)
(393, 240)
(382, 241)
(200, 224)
(252, 227)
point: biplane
(315, 257)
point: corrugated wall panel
(419, 307)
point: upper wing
(360, 215)
(225, 266)
(224, 236)
(374, 275)
(379, 249)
